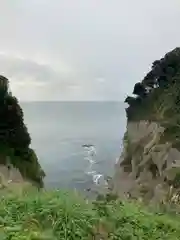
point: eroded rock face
(9, 174)
(147, 167)
(21, 172)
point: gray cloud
(83, 50)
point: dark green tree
(139, 89)
(162, 75)
(13, 132)
(14, 135)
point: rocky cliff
(149, 166)
(17, 169)
(18, 162)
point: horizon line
(35, 101)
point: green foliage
(13, 131)
(59, 215)
(30, 168)
(164, 75)
(139, 89)
(132, 221)
(14, 137)
(158, 97)
(47, 215)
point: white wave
(99, 179)
(91, 173)
(90, 160)
(91, 150)
(96, 178)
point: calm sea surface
(58, 131)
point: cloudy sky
(83, 49)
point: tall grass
(56, 215)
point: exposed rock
(147, 167)
(11, 176)
(150, 163)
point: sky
(83, 50)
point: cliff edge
(149, 166)
(18, 162)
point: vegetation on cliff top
(59, 215)
(158, 97)
(14, 137)
(158, 91)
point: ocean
(77, 143)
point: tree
(163, 74)
(14, 137)
(13, 132)
(139, 89)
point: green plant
(58, 215)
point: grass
(58, 215)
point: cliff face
(147, 168)
(9, 174)
(16, 169)
(17, 160)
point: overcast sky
(83, 49)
